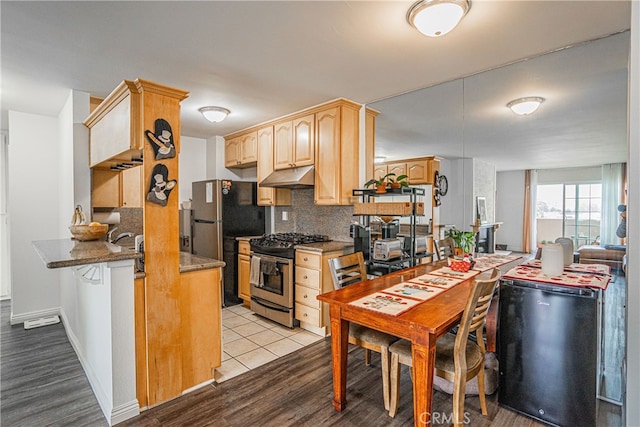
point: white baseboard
(112, 415)
(33, 315)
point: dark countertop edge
(190, 262)
(247, 238)
(46, 253)
(334, 245)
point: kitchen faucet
(120, 236)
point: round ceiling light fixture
(435, 18)
(525, 106)
(214, 114)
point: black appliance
(548, 351)
(222, 210)
(273, 295)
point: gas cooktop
(283, 243)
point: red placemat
(488, 262)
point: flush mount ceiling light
(525, 106)
(214, 114)
(379, 159)
(435, 18)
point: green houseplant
(381, 184)
(465, 240)
(399, 181)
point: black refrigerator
(548, 352)
(221, 211)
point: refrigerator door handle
(208, 221)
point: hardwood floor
(41, 380)
(42, 383)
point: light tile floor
(249, 341)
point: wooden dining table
(422, 324)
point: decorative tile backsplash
(306, 217)
(131, 220)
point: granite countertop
(247, 238)
(61, 253)
(333, 245)
(190, 262)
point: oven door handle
(267, 304)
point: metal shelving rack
(366, 196)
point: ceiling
(265, 59)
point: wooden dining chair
(458, 359)
(347, 270)
(444, 248)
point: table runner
(386, 303)
(567, 278)
(488, 262)
(435, 280)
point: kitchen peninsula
(107, 328)
(101, 328)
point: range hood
(301, 177)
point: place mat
(415, 290)
(567, 278)
(440, 281)
(385, 303)
(447, 271)
(487, 262)
(578, 268)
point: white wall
(192, 164)
(34, 201)
(510, 209)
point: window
(569, 210)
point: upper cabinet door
(397, 168)
(379, 171)
(249, 148)
(232, 153)
(265, 165)
(419, 172)
(283, 145)
(304, 140)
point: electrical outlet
(285, 216)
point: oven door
(277, 282)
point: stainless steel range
(273, 277)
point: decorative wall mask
(162, 140)
(441, 186)
(160, 185)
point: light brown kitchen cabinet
(269, 196)
(397, 168)
(201, 323)
(141, 341)
(312, 278)
(379, 171)
(294, 143)
(242, 151)
(244, 271)
(131, 187)
(419, 171)
(105, 188)
(112, 189)
(337, 153)
(115, 128)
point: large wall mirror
(581, 124)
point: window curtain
(613, 181)
(529, 224)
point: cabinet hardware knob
(305, 315)
(305, 277)
(305, 296)
(306, 259)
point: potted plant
(399, 181)
(464, 240)
(381, 184)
